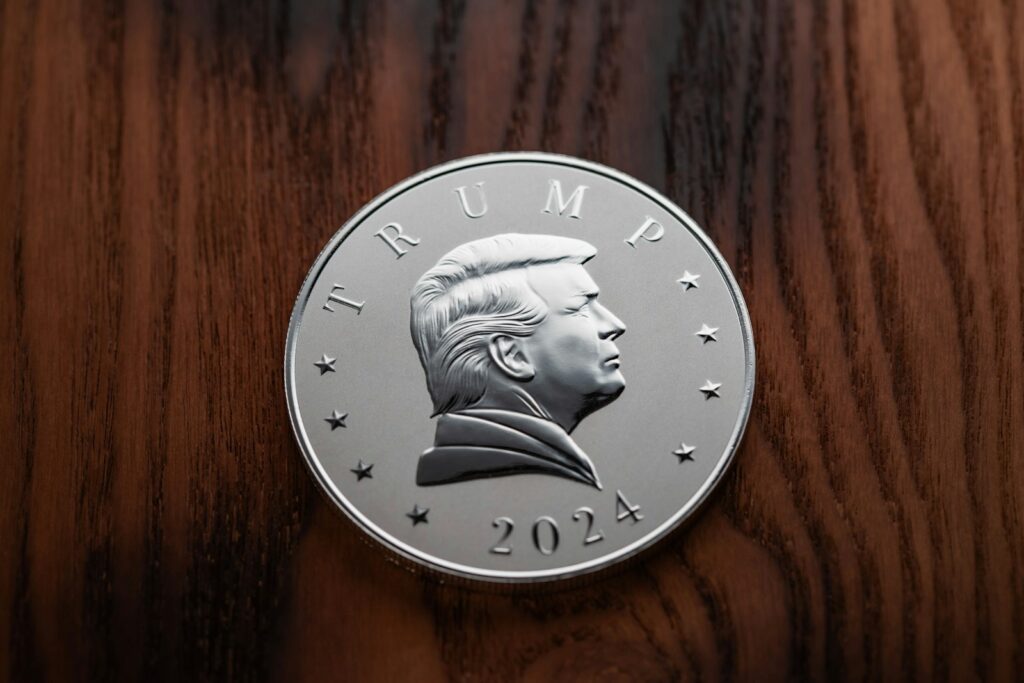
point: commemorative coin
(519, 367)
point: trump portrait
(517, 351)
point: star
(707, 333)
(362, 471)
(711, 389)
(689, 280)
(336, 420)
(684, 452)
(326, 364)
(418, 514)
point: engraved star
(326, 364)
(684, 452)
(418, 515)
(337, 420)
(707, 333)
(362, 471)
(689, 280)
(711, 389)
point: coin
(519, 367)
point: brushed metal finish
(521, 274)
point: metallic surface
(659, 448)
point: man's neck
(518, 400)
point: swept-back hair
(475, 291)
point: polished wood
(169, 171)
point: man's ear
(507, 353)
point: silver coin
(519, 367)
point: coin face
(519, 367)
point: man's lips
(613, 361)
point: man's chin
(611, 389)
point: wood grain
(168, 172)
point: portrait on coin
(517, 350)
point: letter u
(461, 191)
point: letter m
(557, 204)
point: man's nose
(611, 326)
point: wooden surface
(169, 171)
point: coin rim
(433, 562)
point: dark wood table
(169, 171)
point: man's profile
(517, 350)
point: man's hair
(475, 291)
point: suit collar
(488, 442)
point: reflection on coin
(519, 367)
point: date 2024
(545, 533)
